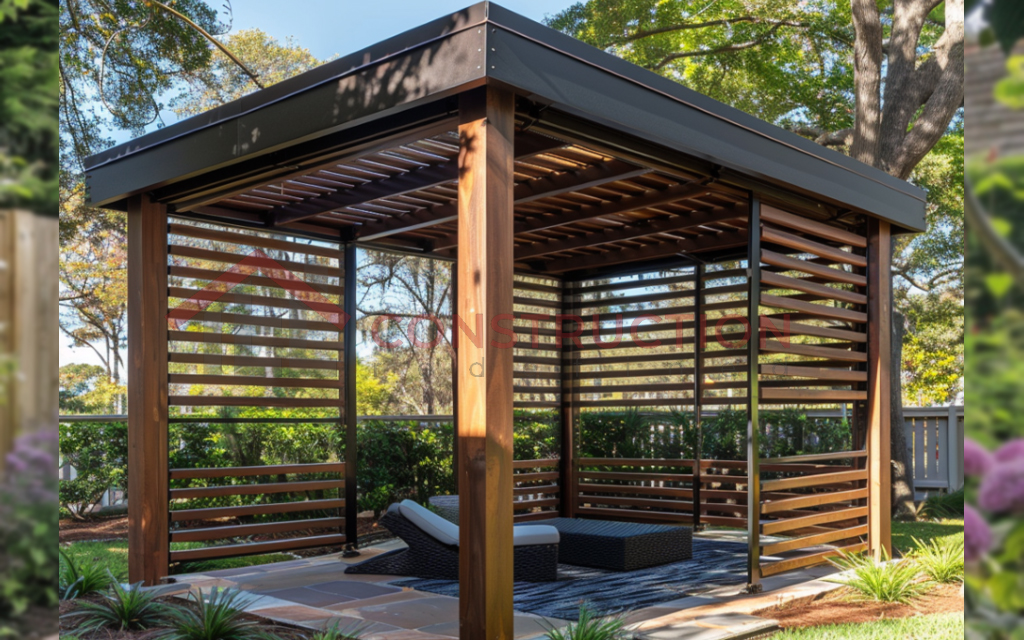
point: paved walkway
(315, 593)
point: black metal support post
(753, 398)
(351, 410)
(699, 332)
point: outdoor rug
(715, 563)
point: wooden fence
(28, 323)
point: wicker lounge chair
(433, 551)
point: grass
(903, 533)
(113, 555)
(937, 627)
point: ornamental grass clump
(591, 626)
(121, 609)
(893, 581)
(338, 632)
(220, 615)
(941, 560)
(76, 581)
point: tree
(904, 93)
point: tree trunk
(902, 463)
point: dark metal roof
(409, 81)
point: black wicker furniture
(620, 546)
(433, 548)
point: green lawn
(939, 627)
(903, 533)
(114, 555)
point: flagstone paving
(315, 593)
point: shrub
(218, 616)
(29, 564)
(98, 451)
(942, 561)
(121, 609)
(337, 632)
(590, 627)
(889, 581)
(76, 581)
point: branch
(252, 76)
(842, 138)
(1005, 255)
(646, 33)
(729, 48)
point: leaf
(1002, 226)
(999, 284)
(1007, 20)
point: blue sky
(328, 28)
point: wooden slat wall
(814, 305)
(271, 344)
(537, 489)
(537, 301)
(287, 354)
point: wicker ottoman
(620, 546)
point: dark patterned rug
(715, 563)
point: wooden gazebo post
(484, 422)
(148, 534)
(879, 274)
(754, 398)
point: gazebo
(554, 176)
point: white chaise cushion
(534, 534)
(447, 532)
(430, 523)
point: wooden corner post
(754, 398)
(570, 404)
(879, 400)
(484, 428)
(148, 504)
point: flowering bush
(28, 525)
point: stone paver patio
(315, 593)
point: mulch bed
(112, 528)
(840, 607)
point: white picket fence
(935, 436)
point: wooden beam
(148, 525)
(754, 231)
(676, 193)
(485, 370)
(629, 232)
(709, 242)
(409, 182)
(699, 334)
(879, 274)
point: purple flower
(977, 535)
(1002, 489)
(976, 459)
(1010, 452)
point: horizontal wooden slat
(776, 236)
(811, 268)
(813, 351)
(798, 284)
(536, 477)
(239, 531)
(524, 505)
(818, 457)
(774, 568)
(813, 227)
(827, 517)
(634, 477)
(245, 472)
(208, 275)
(775, 328)
(254, 381)
(235, 401)
(814, 373)
(257, 548)
(246, 240)
(535, 464)
(633, 514)
(192, 493)
(587, 289)
(815, 500)
(534, 517)
(185, 293)
(635, 490)
(633, 462)
(536, 490)
(615, 501)
(819, 310)
(215, 513)
(262, 321)
(225, 257)
(811, 395)
(251, 341)
(253, 361)
(817, 480)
